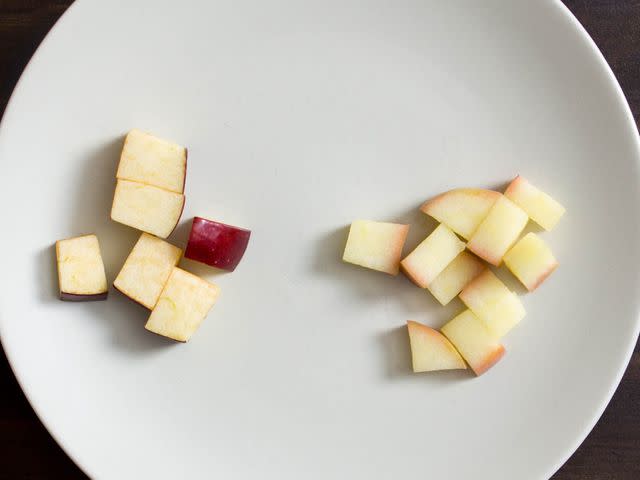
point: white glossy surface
(300, 117)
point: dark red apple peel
(216, 244)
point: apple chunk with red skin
(542, 209)
(475, 342)
(531, 261)
(146, 270)
(216, 244)
(81, 275)
(376, 245)
(151, 209)
(431, 351)
(461, 209)
(432, 256)
(184, 303)
(464, 268)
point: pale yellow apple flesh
(431, 351)
(498, 231)
(542, 209)
(461, 209)
(531, 261)
(151, 160)
(146, 270)
(376, 245)
(81, 274)
(464, 268)
(147, 208)
(493, 303)
(183, 304)
(432, 256)
(476, 343)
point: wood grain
(612, 450)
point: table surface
(612, 450)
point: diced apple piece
(151, 160)
(493, 303)
(183, 304)
(464, 268)
(216, 244)
(430, 350)
(81, 275)
(531, 261)
(147, 208)
(461, 209)
(146, 270)
(376, 245)
(432, 256)
(542, 209)
(475, 342)
(498, 231)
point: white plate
(300, 117)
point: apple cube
(151, 160)
(464, 268)
(432, 256)
(147, 208)
(498, 231)
(531, 261)
(461, 209)
(183, 304)
(216, 244)
(146, 270)
(542, 209)
(376, 245)
(81, 275)
(430, 350)
(475, 342)
(493, 303)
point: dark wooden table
(612, 450)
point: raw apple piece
(493, 303)
(475, 342)
(531, 261)
(216, 244)
(147, 269)
(81, 275)
(430, 350)
(376, 245)
(147, 208)
(461, 209)
(183, 304)
(464, 268)
(498, 231)
(432, 256)
(542, 209)
(151, 160)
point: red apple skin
(74, 297)
(216, 244)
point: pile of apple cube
(491, 224)
(149, 196)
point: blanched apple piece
(183, 304)
(216, 244)
(542, 209)
(493, 303)
(430, 350)
(146, 270)
(475, 342)
(461, 209)
(376, 245)
(464, 268)
(432, 256)
(531, 261)
(151, 160)
(81, 275)
(498, 231)
(147, 208)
